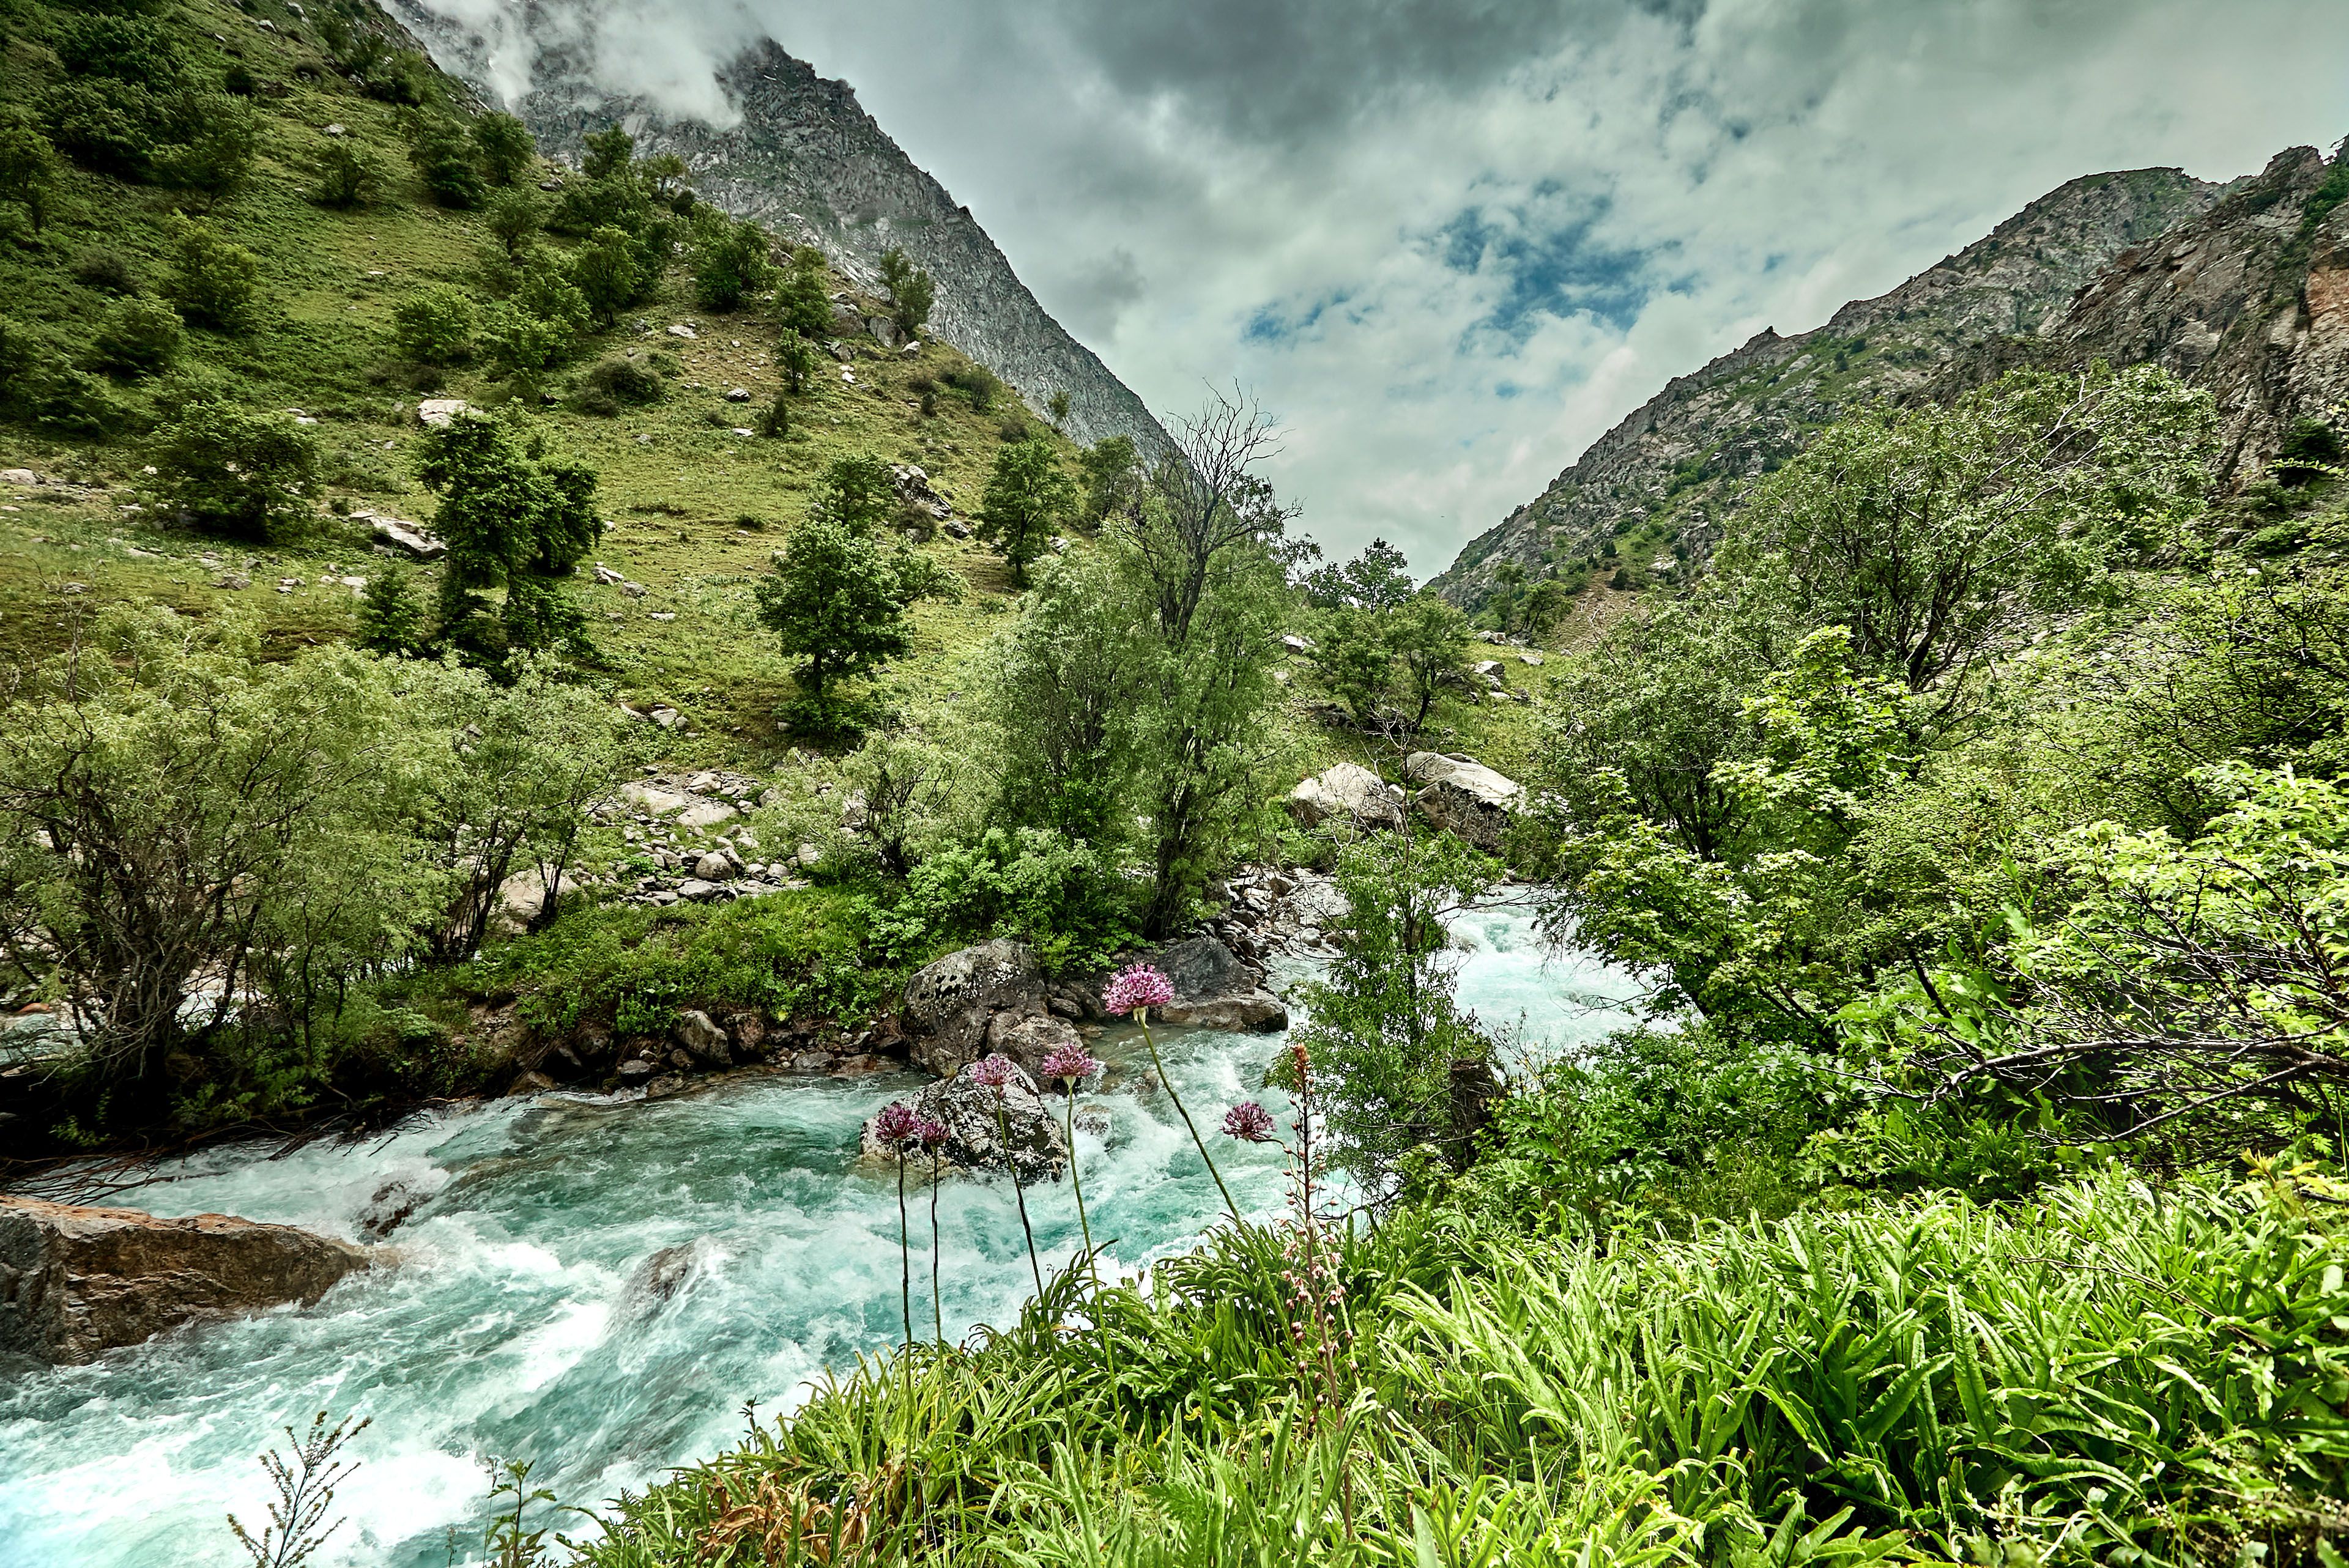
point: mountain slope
(2250, 300)
(1658, 478)
(805, 159)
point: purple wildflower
(994, 1070)
(1069, 1064)
(895, 1123)
(1136, 986)
(930, 1132)
(1249, 1122)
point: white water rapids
(520, 1321)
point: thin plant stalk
(1141, 1016)
(1092, 1264)
(937, 1308)
(1018, 1194)
(905, 1251)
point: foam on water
(520, 1318)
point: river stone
(1462, 795)
(1349, 792)
(700, 1034)
(78, 1281)
(967, 1109)
(1029, 1037)
(949, 1004)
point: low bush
(800, 954)
(611, 385)
(138, 337)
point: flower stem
(1018, 1194)
(905, 1251)
(1168, 1081)
(1108, 1350)
(937, 1308)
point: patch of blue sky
(1543, 256)
(1281, 323)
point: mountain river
(521, 1319)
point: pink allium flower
(1137, 986)
(994, 1070)
(930, 1131)
(895, 1123)
(1069, 1063)
(1249, 1122)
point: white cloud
(1273, 190)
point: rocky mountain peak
(1659, 480)
(805, 159)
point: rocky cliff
(1676, 460)
(805, 159)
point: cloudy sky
(1451, 242)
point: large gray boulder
(1029, 1037)
(77, 1280)
(1036, 1150)
(1464, 795)
(949, 1004)
(1348, 793)
(1213, 989)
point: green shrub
(107, 271)
(504, 148)
(215, 281)
(138, 337)
(442, 154)
(237, 472)
(981, 386)
(617, 383)
(1055, 894)
(347, 175)
(110, 129)
(435, 326)
(796, 954)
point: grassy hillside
(695, 509)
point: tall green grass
(2109, 1375)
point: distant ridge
(807, 160)
(1679, 456)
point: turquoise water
(518, 1320)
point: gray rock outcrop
(967, 1109)
(1464, 797)
(949, 1004)
(1214, 990)
(75, 1281)
(1348, 793)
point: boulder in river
(975, 1141)
(1029, 1037)
(1213, 989)
(78, 1281)
(1348, 793)
(949, 1004)
(1464, 795)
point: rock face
(967, 1109)
(950, 1004)
(1683, 455)
(2250, 300)
(1348, 793)
(74, 1282)
(804, 158)
(1462, 795)
(1213, 988)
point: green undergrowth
(2107, 1374)
(803, 953)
